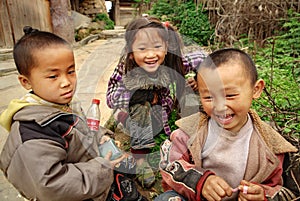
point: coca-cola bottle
(93, 115)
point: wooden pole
(117, 12)
(62, 23)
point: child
(230, 153)
(50, 154)
(139, 89)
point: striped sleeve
(192, 60)
(117, 96)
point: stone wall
(91, 8)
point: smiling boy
(230, 153)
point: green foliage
(192, 22)
(195, 25)
(279, 65)
(109, 24)
(164, 9)
(142, 1)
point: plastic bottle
(93, 115)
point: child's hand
(191, 82)
(250, 191)
(115, 162)
(215, 188)
(104, 138)
(118, 143)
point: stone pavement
(95, 72)
(95, 63)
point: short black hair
(222, 56)
(33, 40)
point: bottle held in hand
(93, 115)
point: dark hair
(222, 56)
(173, 58)
(32, 41)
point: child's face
(54, 77)
(149, 49)
(226, 94)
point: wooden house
(55, 16)
(47, 15)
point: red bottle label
(93, 124)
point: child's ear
(258, 88)
(131, 56)
(24, 81)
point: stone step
(6, 54)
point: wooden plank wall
(15, 14)
(6, 37)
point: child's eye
(231, 95)
(52, 76)
(207, 98)
(71, 72)
(141, 48)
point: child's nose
(150, 53)
(65, 82)
(220, 105)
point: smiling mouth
(224, 119)
(151, 62)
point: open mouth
(225, 119)
(151, 63)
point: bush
(279, 65)
(109, 24)
(192, 22)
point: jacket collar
(273, 139)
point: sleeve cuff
(200, 185)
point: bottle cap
(96, 101)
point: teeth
(151, 62)
(224, 118)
